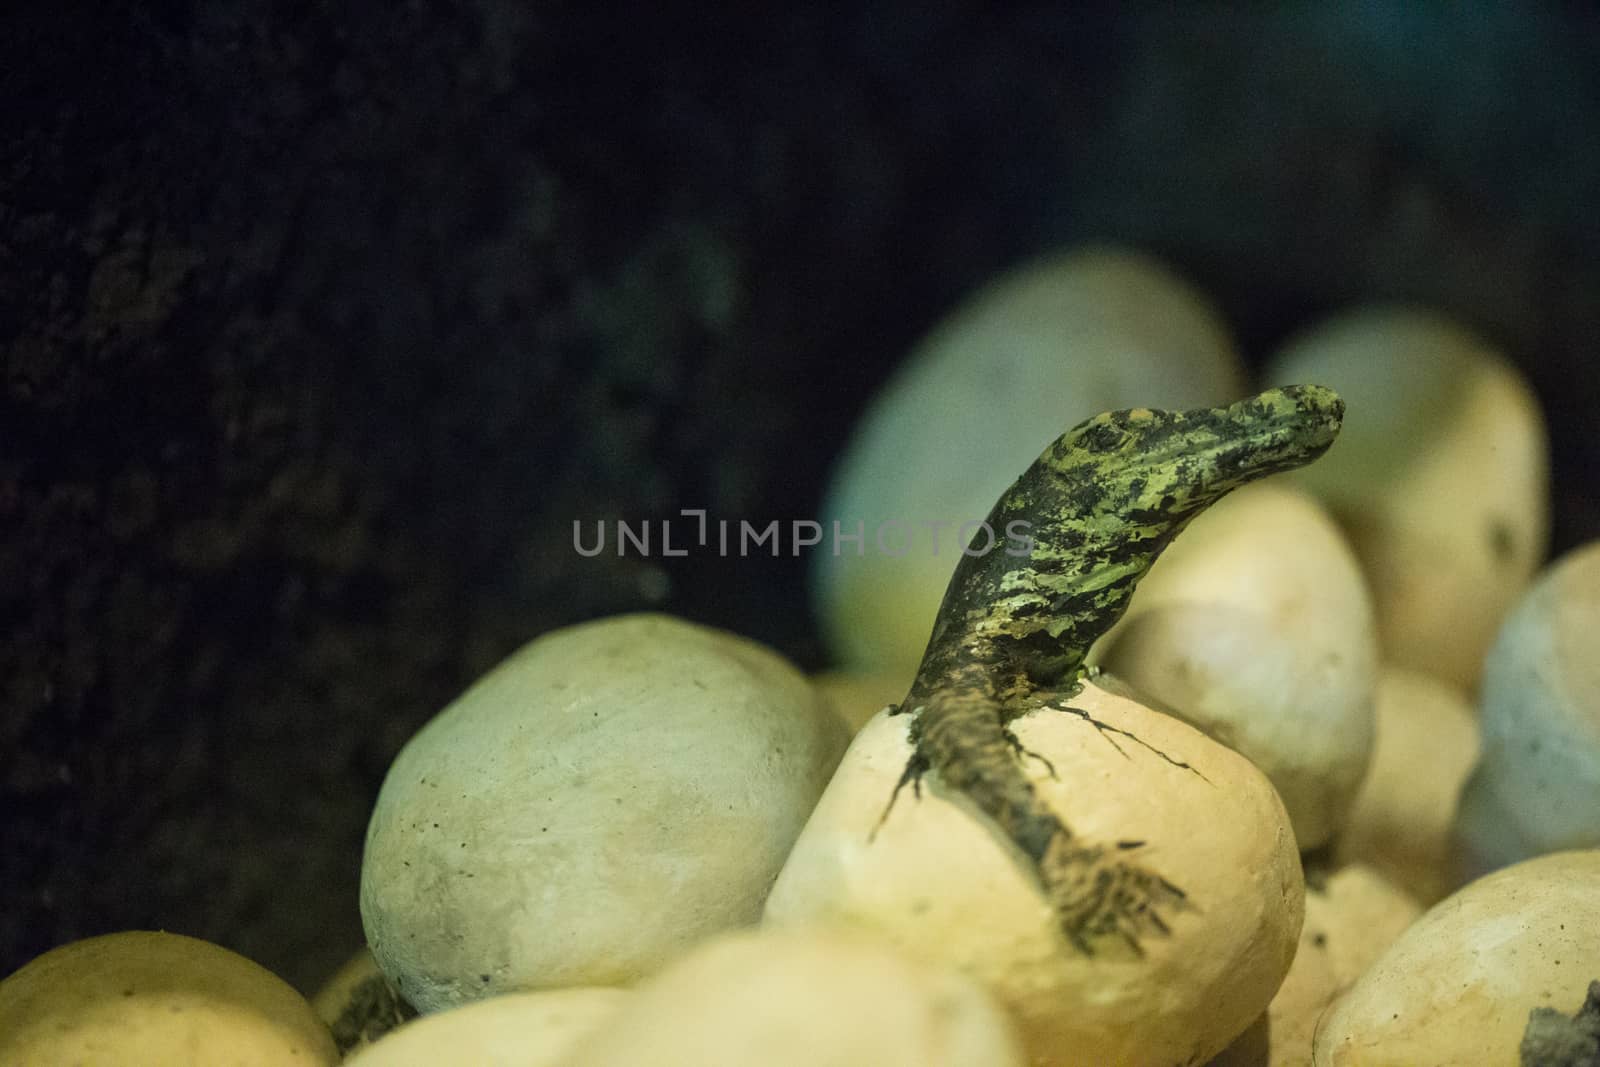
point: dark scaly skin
(1012, 633)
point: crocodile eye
(1103, 438)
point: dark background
(322, 322)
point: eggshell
(805, 997)
(1440, 477)
(1537, 786)
(515, 1030)
(1028, 356)
(941, 882)
(1403, 820)
(609, 795)
(859, 695)
(1350, 920)
(331, 1000)
(1458, 985)
(148, 999)
(1256, 626)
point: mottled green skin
(1012, 633)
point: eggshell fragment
(939, 880)
(1536, 788)
(806, 997)
(148, 999)
(609, 795)
(1256, 627)
(1036, 351)
(1440, 477)
(1458, 985)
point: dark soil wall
(321, 322)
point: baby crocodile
(1012, 633)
